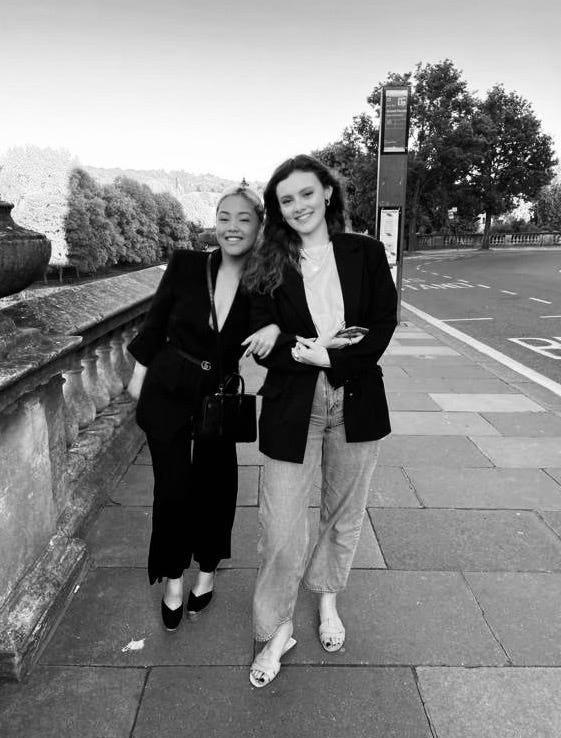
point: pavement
(452, 610)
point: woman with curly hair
(324, 407)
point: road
(509, 300)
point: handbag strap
(215, 323)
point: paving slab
(114, 620)
(553, 519)
(65, 702)
(120, 536)
(554, 473)
(485, 403)
(392, 373)
(451, 451)
(526, 424)
(451, 371)
(519, 453)
(418, 384)
(391, 488)
(401, 618)
(418, 350)
(143, 456)
(249, 455)
(440, 424)
(467, 540)
(303, 702)
(523, 611)
(135, 488)
(411, 401)
(492, 703)
(515, 489)
(478, 386)
(246, 533)
(410, 333)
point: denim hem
(321, 590)
(264, 639)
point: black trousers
(194, 503)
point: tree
(513, 158)
(141, 235)
(354, 158)
(173, 232)
(547, 207)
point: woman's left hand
(262, 341)
(310, 351)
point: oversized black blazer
(370, 300)
(179, 317)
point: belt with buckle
(206, 366)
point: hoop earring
(327, 201)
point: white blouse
(323, 288)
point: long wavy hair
(281, 244)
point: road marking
(544, 346)
(508, 292)
(516, 366)
(463, 280)
(457, 320)
(486, 286)
(537, 299)
(447, 276)
(434, 274)
(550, 316)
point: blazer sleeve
(263, 311)
(381, 320)
(152, 335)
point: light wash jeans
(346, 476)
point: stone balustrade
(67, 434)
(496, 240)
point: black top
(179, 317)
(370, 300)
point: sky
(233, 87)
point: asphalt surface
(509, 300)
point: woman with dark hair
(324, 407)
(177, 354)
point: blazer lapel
(349, 260)
(293, 287)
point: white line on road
(537, 299)
(447, 276)
(516, 366)
(463, 280)
(550, 316)
(457, 320)
(508, 292)
(486, 286)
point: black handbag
(230, 413)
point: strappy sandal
(268, 666)
(331, 635)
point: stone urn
(24, 254)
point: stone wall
(67, 434)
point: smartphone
(351, 332)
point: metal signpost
(392, 177)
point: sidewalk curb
(521, 383)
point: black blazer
(179, 317)
(370, 300)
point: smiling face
(301, 198)
(237, 226)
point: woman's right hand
(135, 384)
(332, 341)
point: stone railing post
(93, 384)
(105, 369)
(78, 401)
(119, 361)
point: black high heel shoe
(196, 604)
(171, 618)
